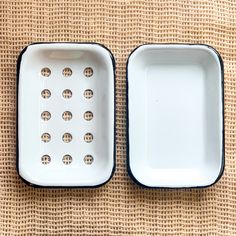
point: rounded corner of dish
(25, 178)
(135, 52)
(215, 53)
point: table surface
(120, 207)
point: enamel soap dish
(66, 123)
(175, 114)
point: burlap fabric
(120, 207)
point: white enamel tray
(66, 119)
(175, 116)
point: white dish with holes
(175, 116)
(66, 119)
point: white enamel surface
(31, 105)
(175, 115)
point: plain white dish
(175, 115)
(66, 119)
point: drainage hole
(88, 93)
(45, 159)
(46, 72)
(67, 72)
(88, 159)
(67, 159)
(88, 72)
(46, 115)
(67, 115)
(88, 138)
(88, 115)
(46, 137)
(67, 93)
(66, 137)
(46, 94)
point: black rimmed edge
(223, 119)
(17, 108)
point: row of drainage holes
(66, 137)
(67, 159)
(67, 93)
(67, 115)
(67, 72)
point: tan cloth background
(120, 207)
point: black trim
(17, 138)
(127, 119)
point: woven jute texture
(120, 207)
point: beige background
(120, 207)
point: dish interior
(66, 115)
(175, 116)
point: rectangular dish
(175, 115)
(66, 121)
